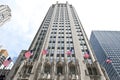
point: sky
(27, 16)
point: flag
(45, 51)
(69, 52)
(28, 54)
(86, 55)
(7, 62)
(108, 60)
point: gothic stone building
(61, 31)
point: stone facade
(60, 31)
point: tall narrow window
(90, 71)
(59, 70)
(72, 69)
(47, 69)
(29, 69)
(95, 71)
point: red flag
(108, 60)
(69, 52)
(44, 52)
(28, 54)
(86, 55)
(7, 62)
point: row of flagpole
(86, 55)
(29, 53)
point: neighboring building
(7, 67)
(5, 14)
(60, 31)
(16, 65)
(4, 73)
(3, 55)
(106, 44)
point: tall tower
(106, 44)
(60, 33)
(5, 14)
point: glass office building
(106, 45)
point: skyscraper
(106, 45)
(5, 14)
(60, 50)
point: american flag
(108, 60)
(69, 52)
(7, 62)
(28, 54)
(86, 55)
(45, 51)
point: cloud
(16, 34)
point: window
(90, 71)
(47, 69)
(53, 47)
(73, 55)
(94, 71)
(58, 55)
(51, 54)
(47, 55)
(59, 70)
(29, 69)
(72, 69)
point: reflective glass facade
(106, 44)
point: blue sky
(27, 15)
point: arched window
(47, 68)
(90, 71)
(72, 69)
(95, 71)
(59, 69)
(29, 69)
